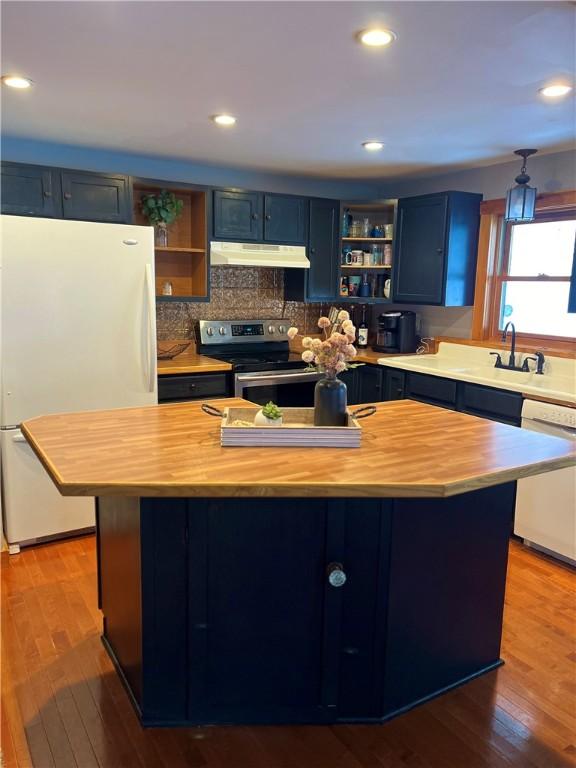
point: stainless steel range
(263, 366)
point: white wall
(549, 173)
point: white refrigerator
(78, 333)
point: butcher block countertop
(408, 449)
(190, 361)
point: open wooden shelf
(363, 299)
(366, 239)
(361, 268)
(183, 262)
(173, 249)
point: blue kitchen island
(268, 585)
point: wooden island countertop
(409, 450)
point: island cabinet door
(281, 614)
(446, 593)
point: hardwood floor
(64, 707)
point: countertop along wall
(549, 173)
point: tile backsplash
(236, 293)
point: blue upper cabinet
(572, 295)
(435, 249)
(95, 197)
(30, 190)
(285, 219)
(318, 283)
(256, 216)
(238, 215)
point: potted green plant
(161, 210)
(268, 416)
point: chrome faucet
(512, 359)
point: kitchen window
(523, 275)
(533, 283)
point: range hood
(258, 255)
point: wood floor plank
(63, 705)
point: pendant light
(521, 199)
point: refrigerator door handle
(151, 342)
(19, 438)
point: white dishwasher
(546, 504)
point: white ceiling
(458, 88)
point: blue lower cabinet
(490, 403)
(394, 384)
(193, 386)
(370, 383)
(350, 378)
(476, 399)
(431, 389)
(280, 610)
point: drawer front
(431, 389)
(491, 403)
(172, 388)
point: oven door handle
(241, 380)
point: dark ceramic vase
(330, 403)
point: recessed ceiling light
(372, 146)
(224, 119)
(16, 81)
(555, 90)
(376, 37)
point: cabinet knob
(67, 195)
(439, 250)
(336, 575)
(47, 194)
(268, 217)
(255, 216)
(312, 250)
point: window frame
(502, 276)
(493, 240)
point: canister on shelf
(387, 255)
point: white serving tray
(297, 429)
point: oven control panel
(243, 331)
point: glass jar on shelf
(355, 229)
(377, 255)
(366, 228)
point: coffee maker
(396, 332)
